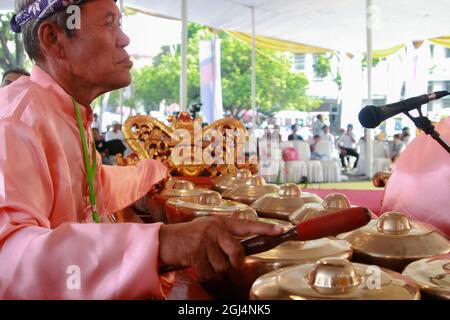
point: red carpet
(364, 198)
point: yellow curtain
(442, 41)
(279, 45)
(386, 52)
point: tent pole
(368, 132)
(184, 44)
(253, 68)
(121, 90)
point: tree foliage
(12, 52)
(277, 86)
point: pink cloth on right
(420, 182)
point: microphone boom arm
(424, 124)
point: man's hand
(157, 187)
(209, 245)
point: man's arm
(123, 186)
(39, 260)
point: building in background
(409, 72)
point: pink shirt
(420, 182)
(44, 246)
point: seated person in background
(12, 75)
(396, 147)
(420, 182)
(276, 135)
(294, 135)
(347, 145)
(326, 135)
(318, 125)
(53, 191)
(312, 146)
(339, 137)
(405, 135)
(115, 141)
(114, 132)
(95, 122)
(100, 145)
(405, 138)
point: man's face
(97, 52)
(96, 134)
(10, 78)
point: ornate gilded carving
(185, 147)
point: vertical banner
(210, 80)
(418, 63)
(352, 92)
(395, 80)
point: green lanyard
(90, 166)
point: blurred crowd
(346, 146)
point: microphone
(372, 116)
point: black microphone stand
(424, 124)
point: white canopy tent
(337, 25)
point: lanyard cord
(90, 166)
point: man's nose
(122, 40)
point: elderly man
(12, 75)
(54, 188)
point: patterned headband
(39, 9)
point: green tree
(12, 52)
(277, 87)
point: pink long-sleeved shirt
(48, 247)
(420, 182)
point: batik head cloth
(39, 9)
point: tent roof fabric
(333, 25)
(337, 25)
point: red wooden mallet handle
(330, 224)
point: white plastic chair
(380, 161)
(269, 164)
(330, 163)
(313, 167)
(291, 171)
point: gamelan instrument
(281, 204)
(323, 226)
(175, 189)
(393, 241)
(332, 202)
(432, 275)
(230, 180)
(286, 254)
(207, 204)
(334, 278)
(254, 188)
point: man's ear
(51, 39)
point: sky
(147, 34)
